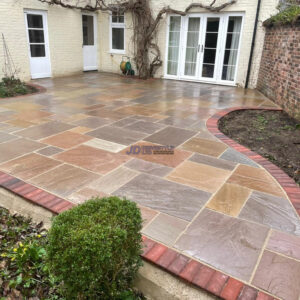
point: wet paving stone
(278, 275)
(170, 136)
(275, 212)
(171, 198)
(226, 243)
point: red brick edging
(287, 183)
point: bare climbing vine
(147, 55)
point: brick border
(40, 89)
(187, 269)
(287, 183)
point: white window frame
(116, 25)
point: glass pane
(232, 41)
(190, 69)
(211, 40)
(174, 41)
(173, 53)
(208, 71)
(232, 45)
(212, 25)
(228, 73)
(37, 50)
(234, 24)
(194, 24)
(88, 30)
(172, 68)
(192, 39)
(192, 46)
(35, 21)
(118, 38)
(36, 36)
(230, 57)
(117, 17)
(175, 23)
(209, 56)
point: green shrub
(95, 248)
(11, 86)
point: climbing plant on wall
(147, 55)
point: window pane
(172, 68)
(88, 30)
(175, 23)
(173, 53)
(174, 39)
(190, 69)
(232, 41)
(212, 24)
(117, 17)
(36, 36)
(230, 57)
(37, 50)
(211, 40)
(209, 56)
(208, 71)
(228, 73)
(118, 38)
(35, 21)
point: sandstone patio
(206, 200)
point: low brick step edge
(187, 269)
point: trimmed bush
(95, 248)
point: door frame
(223, 27)
(44, 13)
(95, 21)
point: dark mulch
(272, 134)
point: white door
(204, 47)
(37, 36)
(89, 43)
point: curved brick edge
(187, 269)
(287, 183)
(39, 90)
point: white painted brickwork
(65, 36)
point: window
(117, 33)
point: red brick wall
(279, 75)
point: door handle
(198, 48)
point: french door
(89, 42)
(37, 37)
(204, 47)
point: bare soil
(272, 134)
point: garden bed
(35, 263)
(272, 134)
(13, 87)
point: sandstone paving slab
(92, 159)
(278, 275)
(275, 212)
(165, 228)
(228, 244)
(64, 180)
(170, 136)
(171, 198)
